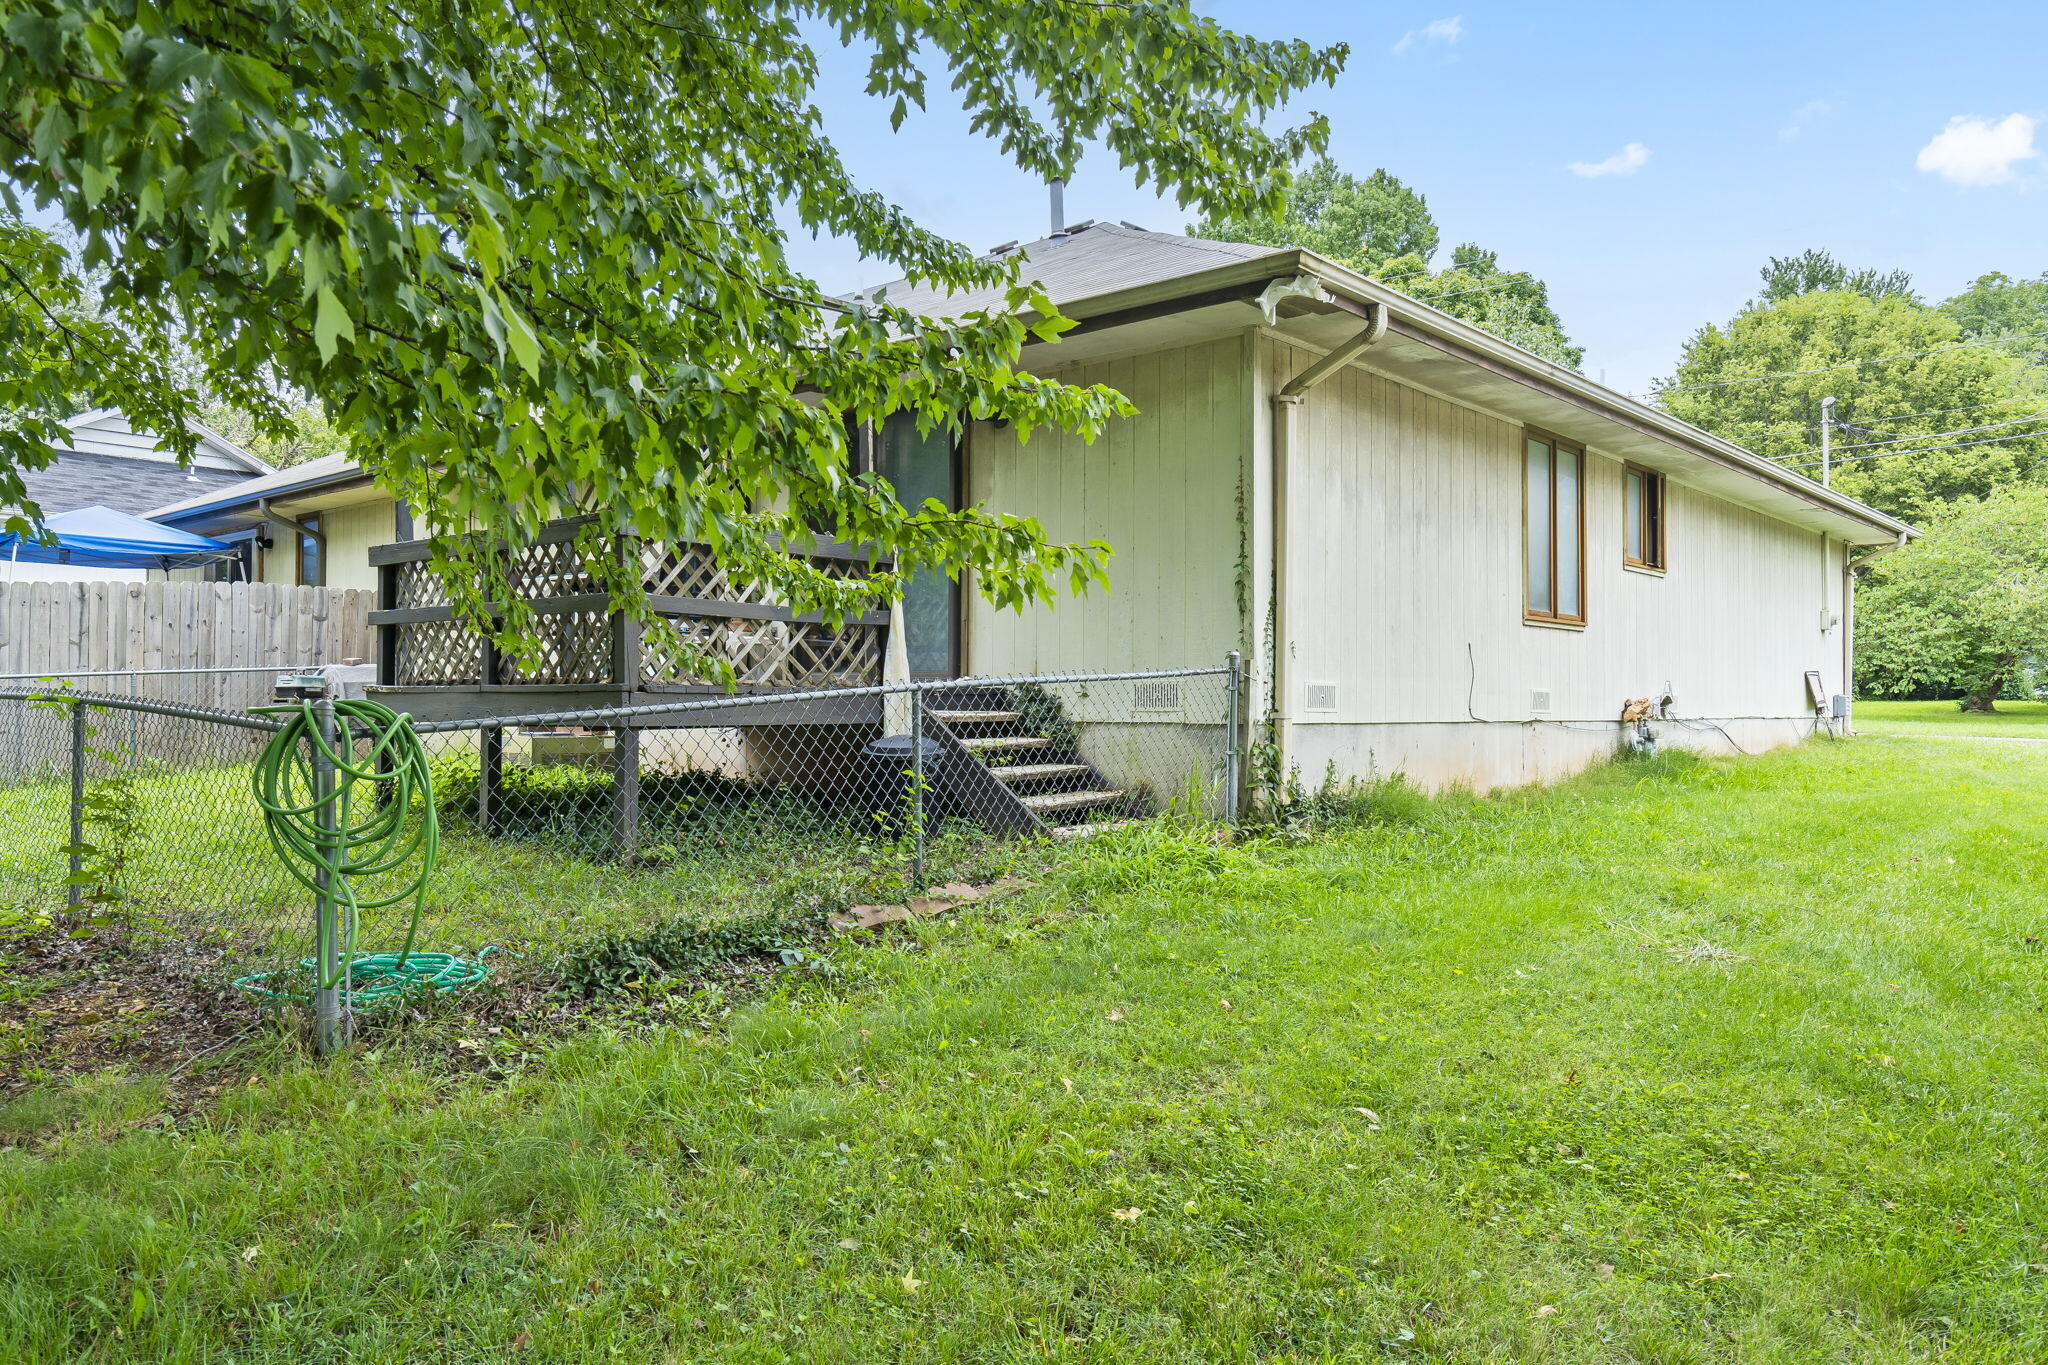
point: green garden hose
(328, 840)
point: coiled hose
(329, 839)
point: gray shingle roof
(1098, 258)
(126, 485)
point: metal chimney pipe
(1059, 207)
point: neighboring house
(106, 462)
(1438, 553)
(311, 524)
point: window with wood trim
(1642, 535)
(1553, 530)
(312, 569)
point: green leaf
(519, 336)
(331, 324)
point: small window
(1554, 531)
(1642, 544)
(312, 555)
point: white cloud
(1627, 161)
(1435, 31)
(1978, 151)
(1810, 112)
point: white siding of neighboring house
(1407, 562)
(111, 434)
(1161, 488)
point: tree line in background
(1941, 419)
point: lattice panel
(772, 653)
(418, 586)
(573, 647)
(690, 571)
(822, 657)
(552, 570)
(437, 653)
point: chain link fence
(561, 826)
(234, 688)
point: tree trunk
(1980, 703)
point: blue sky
(1707, 139)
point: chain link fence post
(75, 883)
(917, 786)
(1233, 724)
(330, 987)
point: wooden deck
(591, 657)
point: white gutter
(1286, 404)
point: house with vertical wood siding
(1443, 555)
(1439, 554)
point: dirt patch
(73, 1006)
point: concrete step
(977, 717)
(1058, 801)
(1038, 772)
(978, 744)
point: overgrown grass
(1682, 1062)
(2016, 719)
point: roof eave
(1424, 323)
(237, 496)
(1431, 326)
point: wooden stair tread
(1033, 772)
(976, 717)
(1045, 801)
(975, 744)
(1089, 831)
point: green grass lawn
(201, 867)
(2014, 719)
(1697, 1062)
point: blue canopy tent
(101, 538)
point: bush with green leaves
(1962, 611)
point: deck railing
(583, 643)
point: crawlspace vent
(1155, 696)
(1321, 697)
(1539, 700)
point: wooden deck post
(626, 791)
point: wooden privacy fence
(65, 630)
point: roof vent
(1129, 224)
(1005, 249)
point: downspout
(1286, 404)
(1850, 565)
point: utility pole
(1827, 440)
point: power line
(1483, 289)
(1920, 435)
(1942, 412)
(1774, 429)
(1923, 450)
(1854, 364)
